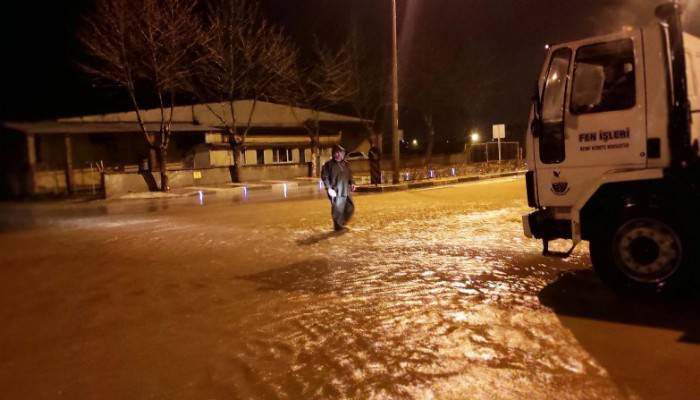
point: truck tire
(643, 250)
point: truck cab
(612, 151)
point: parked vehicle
(356, 155)
(613, 156)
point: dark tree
(327, 81)
(247, 59)
(146, 47)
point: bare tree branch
(146, 47)
(248, 59)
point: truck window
(604, 78)
(554, 93)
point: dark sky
(39, 78)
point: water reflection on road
(431, 307)
(17, 215)
(430, 294)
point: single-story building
(94, 152)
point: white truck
(613, 154)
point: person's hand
(353, 187)
(332, 193)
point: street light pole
(394, 97)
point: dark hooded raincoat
(337, 175)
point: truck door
(593, 116)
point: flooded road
(432, 294)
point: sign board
(499, 131)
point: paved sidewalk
(388, 187)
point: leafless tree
(474, 89)
(427, 86)
(441, 80)
(369, 80)
(146, 47)
(327, 82)
(248, 59)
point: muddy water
(437, 307)
(431, 294)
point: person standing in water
(337, 178)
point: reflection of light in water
(407, 177)
(320, 185)
(453, 171)
(201, 198)
(431, 173)
(245, 193)
(474, 303)
(284, 190)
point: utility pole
(394, 97)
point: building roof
(264, 114)
(208, 117)
(57, 127)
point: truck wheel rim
(647, 250)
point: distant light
(320, 185)
(453, 171)
(245, 193)
(546, 47)
(627, 28)
(201, 198)
(414, 142)
(475, 137)
(284, 190)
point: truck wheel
(642, 251)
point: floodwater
(432, 294)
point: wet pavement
(432, 293)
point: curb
(438, 182)
(281, 186)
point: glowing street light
(475, 137)
(414, 142)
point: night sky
(39, 79)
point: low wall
(278, 172)
(412, 161)
(55, 181)
(121, 183)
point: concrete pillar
(68, 148)
(30, 178)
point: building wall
(268, 156)
(122, 183)
(113, 151)
(54, 181)
(220, 158)
(251, 173)
(251, 157)
(15, 179)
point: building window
(260, 156)
(302, 156)
(552, 138)
(282, 155)
(604, 78)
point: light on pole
(394, 97)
